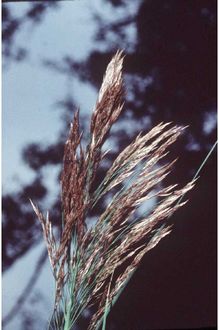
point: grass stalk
(92, 267)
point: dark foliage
(12, 25)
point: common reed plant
(92, 265)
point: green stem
(67, 319)
(205, 160)
(200, 167)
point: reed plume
(92, 266)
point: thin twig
(201, 166)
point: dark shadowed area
(170, 75)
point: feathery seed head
(87, 260)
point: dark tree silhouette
(170, 76)
(11, 26)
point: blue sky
(30, 91)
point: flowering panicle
(91, 266)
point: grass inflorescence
(92, 266)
